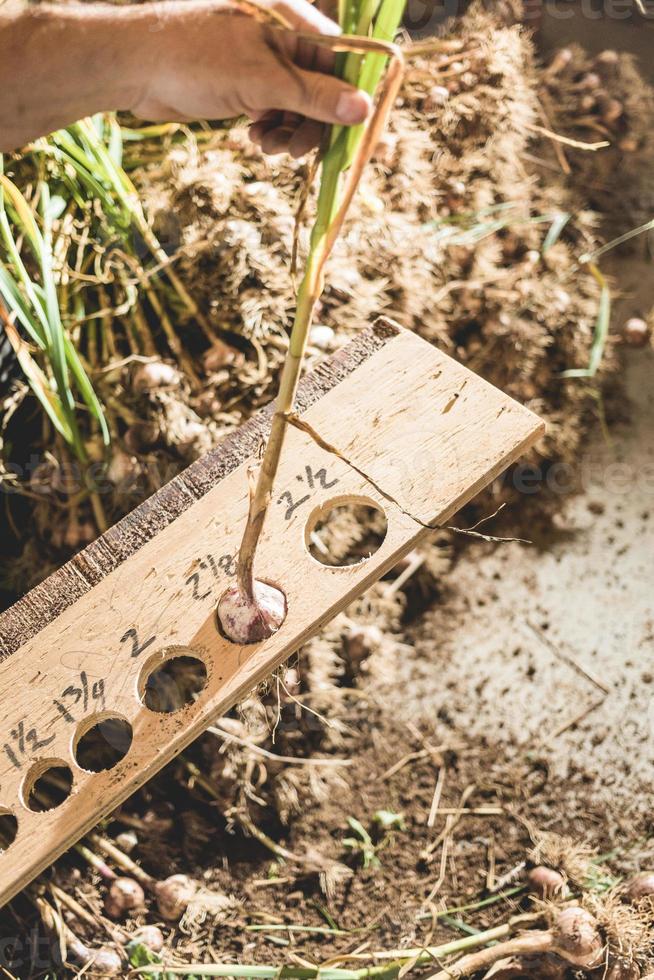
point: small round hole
(102, 744)
(173, 684)
(8, 829)
(346, 532)
(47, 785)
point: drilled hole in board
(173, 683)
(8, 829)
(345, 532)
(241, 623)
(102, 742)
(47, 785)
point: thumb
(325, 98)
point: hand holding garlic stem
(59, 63)
(348, 150)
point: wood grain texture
(427, 431)
(27, 616)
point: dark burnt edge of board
(48, 600)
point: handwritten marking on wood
(424, 429)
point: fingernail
(330, 27)
(352, 108)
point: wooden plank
(426, 431)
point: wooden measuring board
(81, 646)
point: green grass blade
(64, 354)
(57, 351)
(555, 231)
(37, 381)
(25, 279)
(387, 23)
(17, 304)
(362, 24)
(86, 390)
(32, 313)
(601, 331)
(155, 131)
(348, 17)
(73, 142)
(97, 121)
(115, 143)
(24, 215)
(114, 176)
(66, 151)
(616, 242)
(36, 307)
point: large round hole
(173, 684)
(8, 829)
(47, 785)
(102, 744)
(346, 532)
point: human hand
(209, 60)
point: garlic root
(574, 937)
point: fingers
(314, 57)
(323, 60)
(306, 137)
(312, 100)
(291, 120)
(284, 132)
(324, 98)
(275, 131)
(268, 122)
(271, 132)
(305, 90)
(276, 141)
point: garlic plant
(364, 50)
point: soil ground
(524, 689)
(551, 647)
(534, 673)
(527, 685)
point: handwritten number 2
(195, 579)
(137, 648)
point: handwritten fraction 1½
(72, 704)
